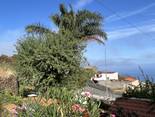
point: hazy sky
(129, 24)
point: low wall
(133, 107)
(101, 92)
(114, 84)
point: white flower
(84, 102)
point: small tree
(49, 60)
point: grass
(6, 70)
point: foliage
(7, 97)
(65, 108)
(46, 58)
(24, 91)
(82, 24)
(84, 76)
(44, 61)
(49, 61)
(145, 89)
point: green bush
(80, 79)
(145, 89)
(6, 97)
(48, 60)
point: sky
(129, 24)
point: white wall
(107, 76)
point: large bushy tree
(48, 60)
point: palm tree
(83, 24)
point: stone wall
(133, 107)
(9, 83)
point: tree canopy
(49, 60)
(83, 24)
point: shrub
(48, 60)
(6, 97)
(146, 89)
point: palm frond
(71, 10)
(89, 25)
(96, 38)
(63, 9)
(37, 28)
(83, 24)
(56, 19)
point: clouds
(142, 26)
(82, 3)
(131, 31)
(123, 15)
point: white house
(105, 76)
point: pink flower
(14, 111)
(81, 109)
(77, 107)
(87, 94)
(113, 115)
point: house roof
(129, 78)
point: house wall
(135, 83)
(106, 76)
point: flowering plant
(77, 108)
(85, 103)
(69, 106)
(86, 94)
